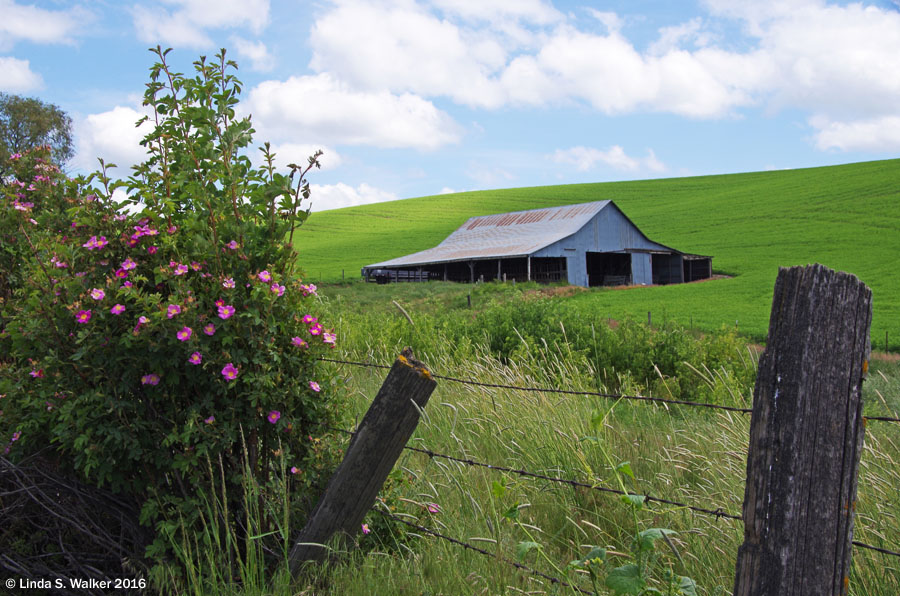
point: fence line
(718, 513)
(552, 579)
(875, 548)
(591, 393)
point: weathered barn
(590, 244)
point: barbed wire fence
(718, 512)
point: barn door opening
(608, 268)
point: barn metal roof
(516, 234)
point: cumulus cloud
(834, 60)
(16, 76)
(336, 196)
(323, 109)
(187, 24)
(38, 25)
(256, 52)
(299, 154)
(586, 158)
(403, 47)
(875, 135)
(111, 135)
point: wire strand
(457, 542)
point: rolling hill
(846, 217)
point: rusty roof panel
(513, 234)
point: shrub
(146, 341)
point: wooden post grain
(370, 456)
(806, 435)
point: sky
(410, 98)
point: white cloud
(832, 60)
(531, 11)
(188, 23)
(586, 158)
(38, 25)
(299, 154)
(323, 109)
(447, 191)
(16, 76)
(257, 53)
(111, 135)
(405, 48)
(610, 20)
(336, 196)
(875, 135)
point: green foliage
(144, 342)
(26, 123)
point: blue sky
(418, 97)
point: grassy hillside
(846, 217)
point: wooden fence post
(368, 460)
(806, 435)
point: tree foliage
(26, 123)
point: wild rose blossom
(180, 269)
(117, 309)
(195, 358)
(152, 250)
(228, 283)
(265, 276)
(37, 374)
(210, 420)
(195, 266)
(295, 470)
(184, 334)
(329, 338)
(278, 289)
(314, 386)
(83, 316)
(209, 329)
(233, 245)
(151, 379)
(128, 264)
(297, 341)
(365, 529)
(98, 294)
(173, 310)
(226, 311)
(121, 273)
(230, 372)
(308, 319)
(273, 416)
(315, 329)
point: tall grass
(683, 454)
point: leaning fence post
(370, 456)
(806, 435)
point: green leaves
(626, 579)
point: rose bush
(148, 336)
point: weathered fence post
(370, 456)
(806, 435)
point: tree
(26, 122)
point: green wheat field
(845, 217)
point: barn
(590, 244)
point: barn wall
(608, 231)
(641, 269)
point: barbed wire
(718, 513)
(457, 542)
(875, 548)
(561, 391)
(592, 393)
